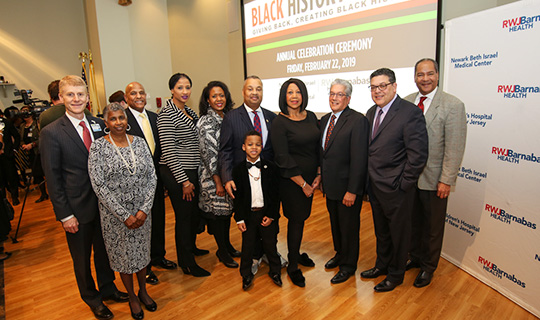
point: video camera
(37, 106)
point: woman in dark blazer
(180, 158)
(295, 139)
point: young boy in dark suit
(256, 206)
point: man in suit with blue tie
(446, 124)
(398, 151)
(143, 123)
(64, 146)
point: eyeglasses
(382, 86)
(339, 95)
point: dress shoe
(305, 260)
(5, 255)
(332, 263)
(411, 264)
(297, 278)
(341, 276)
(195, 271)
(227, 260)
(200, 252)
(118, 296)
(373, 273)
(150, 307)
(235, 253)
(423, 279)
(15, 201)
(276, 278)
(102, 312)
(386, 285)
(247, 281)
(164, 263)
(151, 278)
(137, 316)
(42, 198)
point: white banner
(493, 218)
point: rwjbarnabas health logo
(520, 23)
(495, 271)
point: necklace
(255, 178)
(133, 168)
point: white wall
(40, 42)
(133, 45)
(200, 45)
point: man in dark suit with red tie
(237, 122)
(64, 146)
(344, 150)
(398, 151)
(143, 123)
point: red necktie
(257, 123)
(86, 135)
(329, 131)
(421, 103)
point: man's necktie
(87, 139)
(329, 131)
(257, 123)
(147, 130)
(377, 122)
(256, 164)
(421, 103)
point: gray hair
(111, 107)
(345, 83)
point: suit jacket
(270, 187)
(236, 124)
(446, 124)
(136, 130)
(344, 161)
(399, 149)
(65, 162)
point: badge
(95, 127)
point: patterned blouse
(209, 132)
(179, 141)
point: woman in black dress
(295, 140)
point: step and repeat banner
(493, 221)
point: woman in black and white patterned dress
(214, 201)
(180, 159)
(122, 173)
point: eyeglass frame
(382, 86)
(339, 95)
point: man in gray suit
(446, 124)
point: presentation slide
(318, 41)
